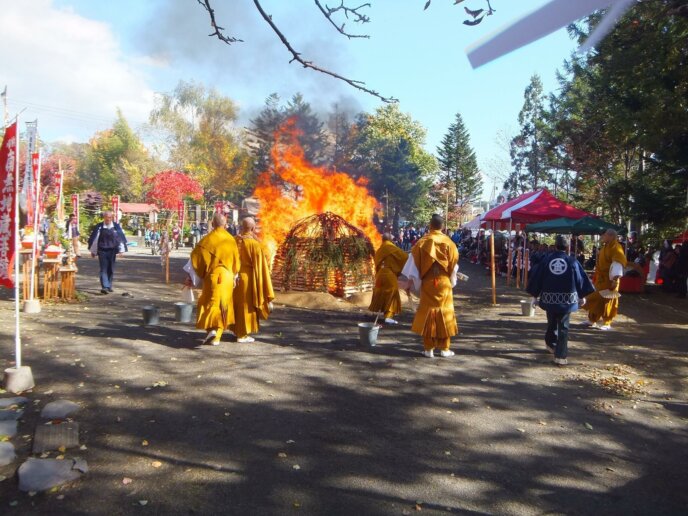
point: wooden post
(167, 267)
(492, 266)
(526, 263)
(510, 263)
(518, 268)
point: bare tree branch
(296, 56)
(218, 30)
(359, 18)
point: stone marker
(8, 428)
(42, 474)
(59, 409)
(53, 437)
(16, 400)
(7, 454)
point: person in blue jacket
(107, 240)
(560, 284)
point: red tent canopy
(531, 207)
(681, 238)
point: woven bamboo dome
(324, 253)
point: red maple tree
(169, 187)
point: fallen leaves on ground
(617, 378)
(126, 481)
(156, 463)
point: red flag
(218, 206)
(115, 207)
(180, 211)
(8, 199)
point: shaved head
(219, 220)
(387, 237)
(248, 224)
(436, 222)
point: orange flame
(308, 190)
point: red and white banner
(60, 201)
(218, 206)
(8, 199)
(115, 207)
(181, 209)
(75, 208)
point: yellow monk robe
(254, 290)
(389, 261)
(216, 261)
(435, 256)
(597, 306)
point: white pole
(36, 216)
(17, 244)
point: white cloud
(67, 70)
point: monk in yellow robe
(253, 294)
(432, 266)
(611, 261)
(215, 260)
(389, 261)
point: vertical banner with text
(8, 199)
(115, 207)
(57, 182)
(180, 213)
(27, 189)
(36, 173)
(218, 206)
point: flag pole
(18, 378)
(17, 247)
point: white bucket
(527, 308)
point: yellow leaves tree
(203, 138)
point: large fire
(308, 190)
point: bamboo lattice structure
(324, 253)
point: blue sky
(75, 61)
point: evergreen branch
(360, 18)
(296, 56)
(217, 29)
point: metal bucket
(151, 315)
(183, 312)
(367, 332)
(527, 308)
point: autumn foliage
(168, 187)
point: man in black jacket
(107, 241)
(561, 284)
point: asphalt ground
(306, 421)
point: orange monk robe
(597, 306)
(436, 257)
(215, 260)
(254, 291)
(389, 260)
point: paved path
(303, 421)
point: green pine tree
(528, 152)
(458, 165)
